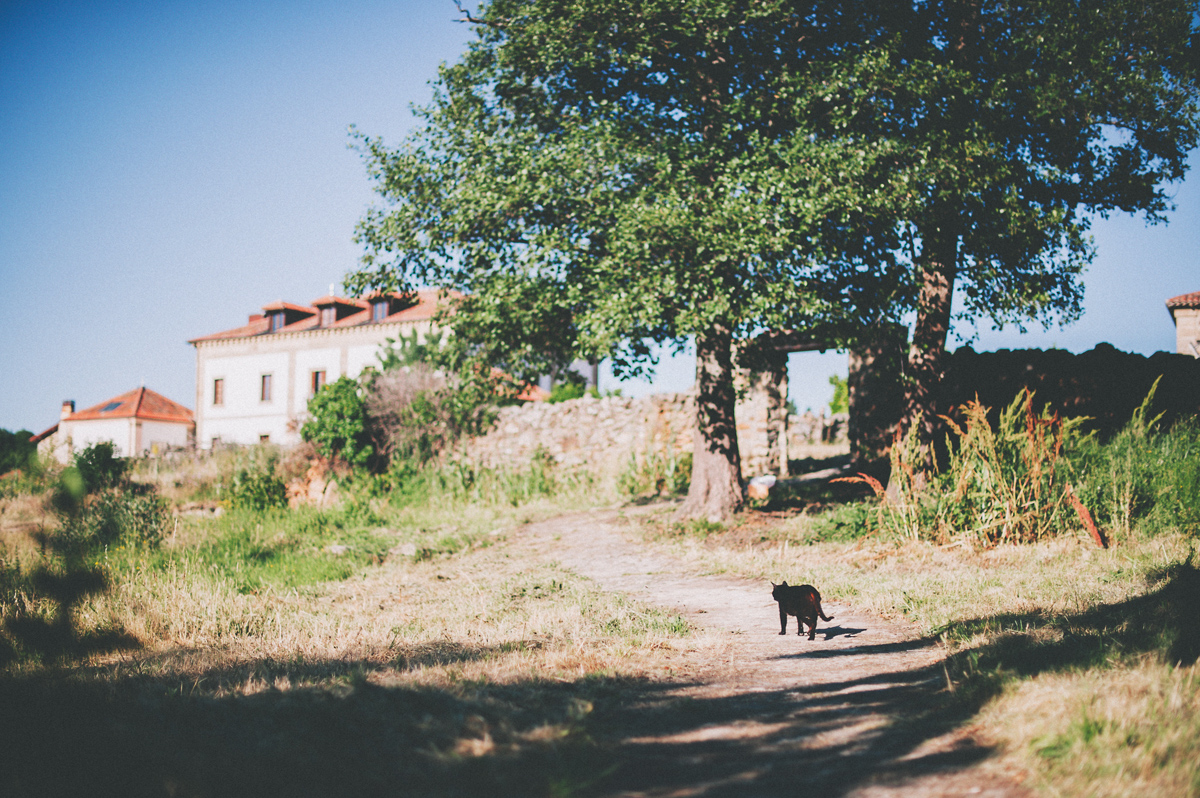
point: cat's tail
(821, 612)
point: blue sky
(168, 168)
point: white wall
(1187, 331)
(121, 431)
(291, 358)
(130, 437)
(164, 433)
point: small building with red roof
(253, 382)
(1185, 312)
(136, 422)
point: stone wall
(602, 435)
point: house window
(219, 391)
(276, 322)
(328, 316)
(264, 438)
(379, 310)
(318, 381)
(264, 393)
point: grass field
(408, 638)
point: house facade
(137, 423)
(253, 382)
(1185, 312)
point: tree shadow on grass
(358, 727)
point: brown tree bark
(876, 390)
(775, 385)
(715, 491)
(926, 354)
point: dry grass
(1058, 651)
(1105, 732)
(440, 674)
(928, 584)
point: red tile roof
(140, 403)
(1191, 300)
(424, 308)
(41, 436)
(281, 305)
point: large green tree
(597, 176)
(1025, 121)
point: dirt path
(779, 715)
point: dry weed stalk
(1002, 485)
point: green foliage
(567, 390)
(656, 474)
(415, 412)
(129, 515)
(15, 449)
(99, 467)
(1007, 485)
(338, 422)
(1143, 479)
(840, 403)
(588, 217)
(257, 487)
(457, 483)
(1013, 483)
(409, 350)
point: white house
(1185, 312)
(253, 383)
(136, 422)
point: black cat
(804, 602)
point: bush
(116, 515)
(338, 423)
(15, 449)
(566, 391)
(99, 467)
(257, 488)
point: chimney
(256, 317)
(68, 407)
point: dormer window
(328, 316)
(276, 322)
(379, 309)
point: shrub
(257, 487)
(16, 451)
(417, 411)
(338, 423)
(566, 391)
(840, 403)
(99, 467)
(115, 515)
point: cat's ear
(783, 583)
(772, 583)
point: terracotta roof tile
(46, 433)
(424, 308)
(139, 403)
(281, 305)
(257, 327)
(1191, 300)
(330, 299)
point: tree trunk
(775, 384)
(876, 391)
(926, 354)
(715, 492)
